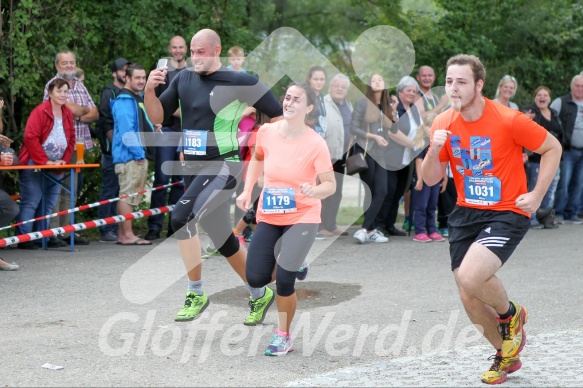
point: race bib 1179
(278, 200)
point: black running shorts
(499, 231)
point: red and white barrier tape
(83, 225)
(89, 206)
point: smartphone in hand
(162, 62)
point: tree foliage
(536, 41)
(33, 31)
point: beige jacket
(334, 129)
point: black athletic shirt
(214, 103)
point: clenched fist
(439, 138)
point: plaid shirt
(80, 96)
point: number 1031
(482, 191)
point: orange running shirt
(486, 155)
(287, 164)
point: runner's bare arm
(254, 169)
(550, 152)
(151, 101)
(326, 188)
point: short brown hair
(542, 88)
(474, 62)
(236, 51)
(133, 67)
(57, 83)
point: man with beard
(426, 78)
(109, 181)
(168, 150)
(493, 208)
(431, 102)
(80, 102)
(84, 113)
(211, 100)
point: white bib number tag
(194, 142)
(482, 190)
(279, 200)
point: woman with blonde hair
(421, 139)
(506, 91)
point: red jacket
(38, 127)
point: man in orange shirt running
(483, 141)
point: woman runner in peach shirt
(293, 157)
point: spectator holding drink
(49, 138)
(84, 113)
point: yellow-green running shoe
(210, 251)
(259, 308)
(193, 306)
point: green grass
(355, 216)
(350, 216)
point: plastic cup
(80, 147)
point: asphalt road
(372, 315)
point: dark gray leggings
(206, 200)
(290, 243)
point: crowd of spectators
(390, 132)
